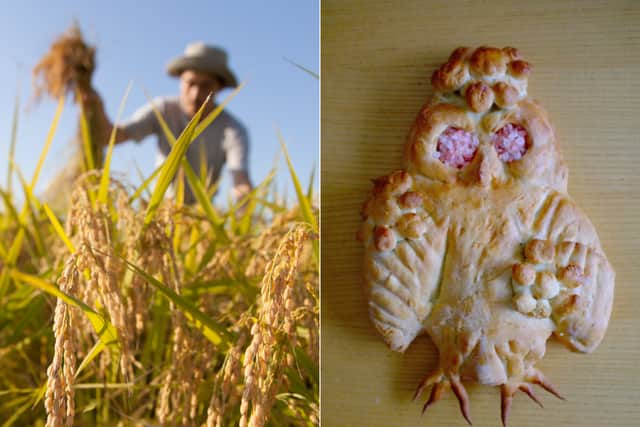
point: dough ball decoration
(486, 75)
(477, 243)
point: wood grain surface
(377, 59)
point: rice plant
(129, 308)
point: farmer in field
(202, 70)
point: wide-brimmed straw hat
(199, 56)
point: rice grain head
(274, 332)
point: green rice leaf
(106, 171)
(95, 351)
(251, 200)
(11, 209)
(58, 228)
(205, 202)
(16, 391)
(177, 233)
(108, 386)
(197, 188)
(266, 182)
(213, 189)
(225, 286)
(38, 394)
(190, 253)
(157, 340)
(47, 145)
(14, 249)
(202, 157)
(304, 363)
(276, 208)
(145, 184)
(28, 191)
(306, 70)
(216, 111)
(105, 330)
(311, 182)
(199, 191)
(208, 256)
(10, 261)
(180, 189)
(244, 224)
(14, 137)
(305, 206)
(215, 332)
(171, 164)
(231, 213)
(89, 161)
(25, 401)
(32, 204)
(297, 385)
(163, 123)
(16, 245)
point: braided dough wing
(404, 253)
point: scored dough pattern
(489, 258)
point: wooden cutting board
(377, 59)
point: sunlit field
(122, 306)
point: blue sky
(135, 40)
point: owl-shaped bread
(476, 241)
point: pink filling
(456, 147)
(510, 142)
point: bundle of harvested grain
(67, 69)
(68, 66)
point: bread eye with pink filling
(456, 147)
(510, 142)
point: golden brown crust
(404, 251)
(505, 95)
(571, 275)
(479, 97)
(488, 61)
(429, 124)
(539, 251)
(502, 71)
(524, 274)
(512, 53)
(490, 259)
(383, 239)
(410, 199)
(542, 164)
(398, 181)
(411, 226)
(467, 86)
(452, 75)
(520, 68)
